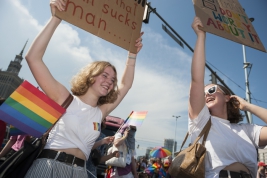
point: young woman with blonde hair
(95, 93)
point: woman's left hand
(243, 105)
(139, 43)
(108, 140)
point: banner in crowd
(30, 110)
(117, 21)
(227, 18)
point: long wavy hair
(233, 112)
(86, 78)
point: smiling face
(104, 82)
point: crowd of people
(231, 147)
(154, 167)
(262, 170)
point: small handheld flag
(30, 110)
(136, 118)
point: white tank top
(79, 128)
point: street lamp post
(247, 65)
(174, 142)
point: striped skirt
(49, 168)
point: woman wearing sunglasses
(231, 147)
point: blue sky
(163, 68)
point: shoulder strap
(205, 131)
(184, 141)
(65, 105)
(67, 102)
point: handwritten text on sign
(117, 21)
(227, 18)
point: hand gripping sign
(117, 21)
(227, 18)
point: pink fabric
(19, 141)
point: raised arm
(42, 75)
(127, 78)
(257, 111)
(196, 93)
(119, 141)
(104, 158)
(106, 140)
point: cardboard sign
(117, 21)
(227, 18)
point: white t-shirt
(79, 128)
(226, 143)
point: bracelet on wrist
(132, 57)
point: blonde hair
(85, 78)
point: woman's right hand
(196, 24)
(125, 134)
(116, 154)
(59, 4)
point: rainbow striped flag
(30, 110)
(13, 131)
(136, 118)
(97, 126)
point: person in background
(164, 169)
(261, 170)
(2, 127)
(13, 145)
(158, 165)
(95, 95)
(170, 159)
(138, 165)
(158, 162)
(100, 145)
(143, 165)
(126, 135)
(150, 162)
(231, 147)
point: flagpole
(124, 122)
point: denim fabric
(89, 165)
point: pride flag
(13, 131)
(30, 110)
(136, 118)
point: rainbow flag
(13, 131)
(97, 126)
(30, 110)
(136, 118)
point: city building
(9, 82)
(9, 79)
(168, 144)
(262, 155)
